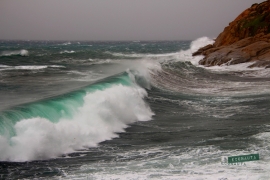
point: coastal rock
(246, 39)
(201, 50)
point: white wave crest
(22, 52)
(30, 67)
(200, 42)
(3, 66)
(65, 43)
(103, 114)
(68, 52)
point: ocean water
(129, 110)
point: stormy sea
(129, 110)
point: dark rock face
(201, 50)
(246, 39)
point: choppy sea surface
(129, 110)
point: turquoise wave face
(56, 108)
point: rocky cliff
(246, 39)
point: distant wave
(66, 43)
(30, 67)
(22, 52)
(68, 52)
(162, 57)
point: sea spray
(75, 121)
(186, 55)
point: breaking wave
(68, 52)
(74, 121)
(22, 52)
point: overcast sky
(117, 19)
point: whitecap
(66, 51)
(22, 52)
